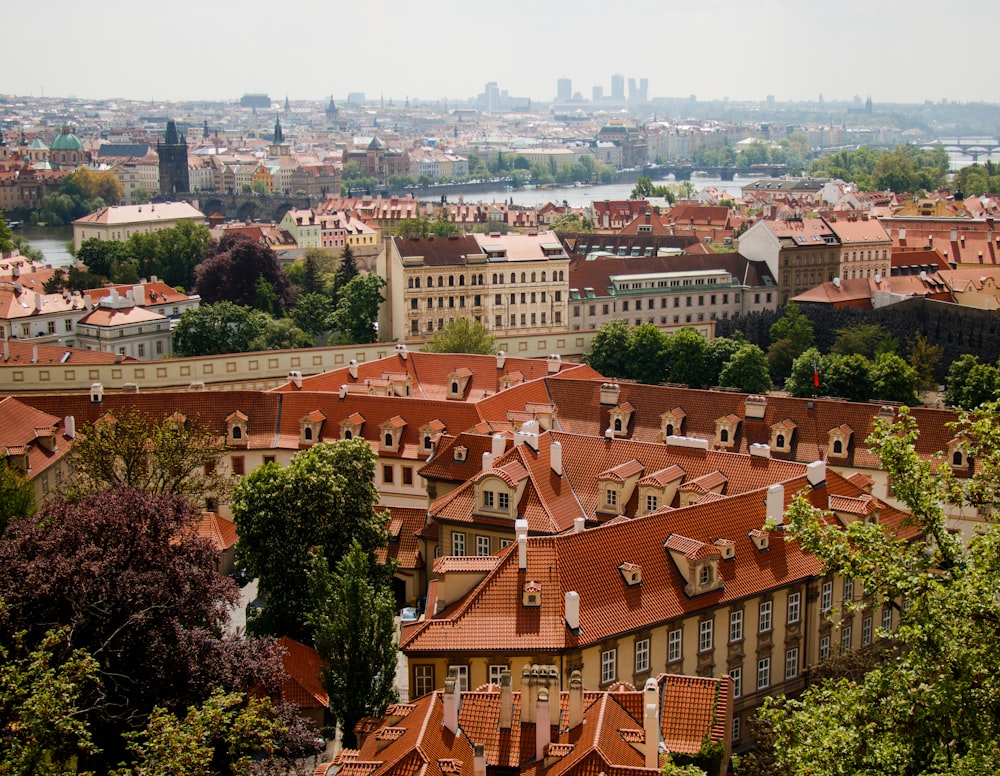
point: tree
(324, 499)
(848, 376)
(346, 271)
(717, 352)
(868, 339)
(218, 328)
(17, 496)
(781, 356)
(933, 705)
(648, 354)
(462, 335)
(807, 370)
(609, 350)
(123, 575)
(687, 358)
(893, 379)
(313, 313)
(795, 326)
(356, 316)
(411, 228)
(232, 267)
(281, 335)
(924, 358)
(141, 195)
(6, 239)
(747, 370)
(172, 254)
(173, 456)
(103, 257)
(571, 223)
(355, 633)
(970, 383)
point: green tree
(970, 383)
(648, 354)
(356, 316)
(868, 339)
(281, 335)
(893, 379)
(156, 455)
(17, 496)
(717, 352)
(103, 257)
(172, 254)
(347, 270)
(141, 195)
(747, 370)
(313, 313)
(924, 358)
(848, 376)
(265, 298)
(324, 499)
(219, 328)
(933, 705)
(355, 633)
(442, 228)
(795, 326)
(259, 187)
(687, 358)
(806, 370)
(571, 223)
(462, 335)
(781, 355)
(410, 228)
(609, 350)
(6, 237)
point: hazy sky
(895, 50)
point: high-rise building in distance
(564, 89)
(618, 87)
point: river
(51, 241)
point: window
(705, 635)
(763, 673)
(610, 497)
(461, 674)
(482, 545)
(495, 672)
(488, 497)
(674, 645)
(503, 501)
(848, 589)
(764, 619)
(423, 680)
(826, 597)
(736, 674)
(846, 632)
(269, 459)
(886, 618)
(704, 576)
(458, 543)
(387, 475)
(736, 625)
(239, 466)
(791, 662)
(651, 503)
(824, 648)
(866, 631)
(609, 660)
(407, 475)
(736, 728)
(642, 656)
(794, 606)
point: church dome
(66, 141)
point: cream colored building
(120, 223)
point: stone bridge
(246, 207)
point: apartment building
(120, 223)
(799, 252)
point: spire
(288, 107)
(278, 135)
(171, 137)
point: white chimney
(401, 350)
(521, 531)
(501, 359)
(69, 423)
(352, 368)
(139, 295)
(555, 363)
(816, 473)
(6, 350)
(760, 450)
(343, 392)
(506, 701)
(543, 732)
(295, 378)
(38, 301)
(651, 722)
(575, 699)
(776, 504)
(609, 394)
(478, 760)
(96, 393)
(579, 523)
(34, 354)
(573, 610)
(449, 717)
(499, 444)
(487, 461)
(555, 457)
(528, 437)
(609, 434)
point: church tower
(173, 162)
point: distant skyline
(895, 50)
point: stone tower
(173, 155)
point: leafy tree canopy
(232, 267)
(747, 370)
(970, 383)
(356, 316)
(214, 329)
(462, 335)
(687, 358)
(795, 326)
(609, 350)
(17, 496)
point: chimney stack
(651, 722)
(573, 610)
(776, 504)
(816, 473)
(555, 458)
(498, 445)
(69, 423)
(521, 531)
(449, 718)
(543, 732)
(575, 699)
(506, 701)
(352, 368)
(579, 523)
(487, 461)
(501, 359)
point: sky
(895, 50)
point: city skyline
(447, 54)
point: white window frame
(494, 672)
(423, 680)
(610, 497)
(652, 502)
(736, 626)
(794, 606)
(736, 728)
(488, 499)
(461, 677)
(824, 647)
(736, 675)
(675, 641)
(886, 618)
(764, 616)
(458, 543)
(791, 662)
(848, 589)
(826, 597)
(866, 631)
(763, 673)
(846, 636)
(642, 656)
(503, 500)
(609, 665)
(482, 545)
(705, 635)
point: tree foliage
(232, 267)
(356, 634)
(347, 270)
(172, 456)
(571, 223)
(462, 335)
(971, 383)
(609, 350)
(323, 500)
(933, 706)
(747, 370)
(215, 329)
(868, 339)
(17, 496)
(648, 354)
(356, 316)
(687, 358)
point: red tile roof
(303, 684)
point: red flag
(816, 373)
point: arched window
(513, 278)
(618, 424)
(523, 276)
(409, 283)
(427, 442)
(956, 458)
(237, 432)
(454, 386)
(724, 435)
(480, 280)
(494, 278)
(779, 440)
(451, 280)
(838, 447)
(669, 431)
(388, 440)
(532, 277)
(543, 276)
(308, 434)
(348, 434)
(705, 576)
(430, 282)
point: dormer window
(430, 433)
(840, 438)
(392, 434)
(725, 430)
(631, 573)
(236, 433)
(705, 576)
(838, 447)
(310, 427)
(781, 436)
(620, 417)
(698, 563)
(531, 596)
(350, 427)
(957, 456)
(458, 382)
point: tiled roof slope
(412, 738)
(491, 617)
(21, 352)
(580, 412)
(404, 523)
(21, 425)
(303, 684)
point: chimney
(487, 461)
(543, 732)
(401, 350)
(501, 359)
(954, 235)
(521, 531)
(352, 368)
(575, 699)
(449, 717)
(554, 363)
(69, 424)
(295, 378)
(555, 458)
(816, 473)
(573, 610)
(34, 354)
(529, 693)
(96, 393)
(776, 504)
(579, 523)
(478, 760)
(6, 350)
(343, 392)
(528, 437)
(651, 722)
(498, 445)
(902, 233)
(38, 301)
(506, 701)
(609, 394)
(139, 295)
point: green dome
(66, 141)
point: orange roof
(303, 684)
(221, 533)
